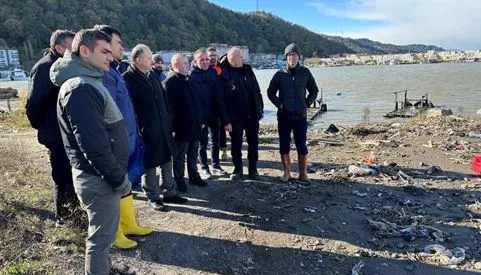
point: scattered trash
(357, 268)
(474, 135)
(416, 189)
(359, 194)
(362, 170)
(369, 159)
(429, 145)
(403, 175)
(476, 164)
(310, 209)
(409, 232)
(440, 254)
(332, 129)
(433, 169)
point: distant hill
(170, 24)
(372, 47)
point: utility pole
(257, 5)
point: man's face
(212, 57)
(236, 59)
(292, 59)
(101, 56)
(181, 65)
(65, 46)
(144, 62)
(116, 46)
(202, 61)
(158, 65)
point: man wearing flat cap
(292, 90)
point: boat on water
(409, 107)
(317, 108)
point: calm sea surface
(350, 91)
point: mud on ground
(423, 193)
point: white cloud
(445, 23)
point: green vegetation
(167, 24)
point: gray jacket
(292, 101)
(92, 127)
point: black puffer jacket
(292, 85)
(242, 95)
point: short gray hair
(138, 51)
(88, 38)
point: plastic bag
(476, 165)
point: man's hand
(125, 188)
(228, 127)
(173, 134)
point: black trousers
(251, 128)
(65, 198)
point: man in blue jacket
(210, 87)
(42, 114)
(287, 91)
(114, 82)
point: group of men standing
(107, 124)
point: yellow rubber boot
(128, 222)
(123, 242)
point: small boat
(409, 107)
(317, 108)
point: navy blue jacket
(292, 84)
(41, 102)
(211, 88)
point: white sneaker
(206, 174)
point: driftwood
(9, 92)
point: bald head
(142, 58)
(180, 64)
(234, 56)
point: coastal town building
(9, 58)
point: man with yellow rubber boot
(115, 84)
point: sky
(451, 24)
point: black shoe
(175, 199)
(157, 205)
(182, 186)
(236, 176)
(197, 181)
(254, 176)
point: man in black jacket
(292, 102)
(42, 113)
(155, 124)
(188, 120)
(241, 111)
(95, 140)
(207, 79)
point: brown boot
(302, 165)
(286, 164)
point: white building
(9, 57)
